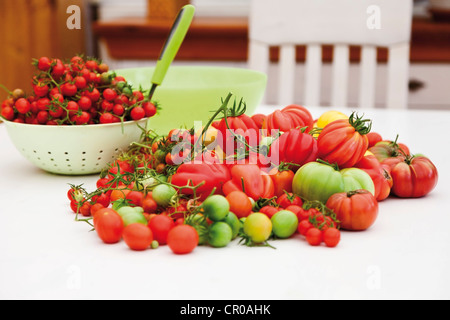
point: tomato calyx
(363, 126)
(333, 165)
(236, 110)
(355, 192)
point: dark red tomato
(291, 116)
(414, 177)
(355, 210)
(294, 147)
(344, 142)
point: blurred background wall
(33, 28)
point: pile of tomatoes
(76, 92)
(257, 178)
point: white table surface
(45, 254)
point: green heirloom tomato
(318, 181)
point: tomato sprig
(363, 126)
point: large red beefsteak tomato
(294, 147)
(291, 116)
(414, 177)
(355, 210)
(344, 142)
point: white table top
(45, 254)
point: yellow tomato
(258, 227)
(330, 116)
(209, 136)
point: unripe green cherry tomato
(220, 234)
(163, 194)
(284, 223)
(234, 223)
(216, 207)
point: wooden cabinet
(30, 29)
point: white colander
(71, 149)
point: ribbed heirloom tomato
(318, 181)
(291, 116)
(355, 210)
(414, 177)
(344, 142)
(293, 147)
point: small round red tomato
(135, 198)
(137, 236)
(182, 239)
(331, 237)
(355, 210)
(304, 226)
(287, 199)
(108, 225)
(414, 177)
(149, 204)
(269, 210)
(22, 105)
(299, 211)
(160, 225)
(137, 113)
(314, 236)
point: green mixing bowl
(192, 93)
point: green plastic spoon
(173, 42)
